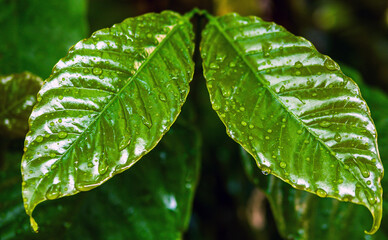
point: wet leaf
(105, 105)
(17, 97)
(156, 200)
(293, 110)
(301, 215)
(35, 34)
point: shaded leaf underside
(292, 108)
(106, 104)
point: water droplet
(232, 64)
(299, 132)
(365, 173)
(266, 137)
(298, 64)
(269, 130)
(53, 192)
(162, 97)
(147, 123)
(52, 155)
(314, 94)
(86, 71)
(337, 137)
(90, 164)
(368, 182)
(62, 134)
(251, 126)
(39, 139)
(60, 97)
(330, 64)
(282, 89)
(220, 57)
(284, 120)
(307, 159)
(283, 164)
(324, 124)
(346, 166)
(297, 73)
(97, 71)
(59, 120)
(243, 123)
(216, 107)
(214, 66)
(242, 109)
(321, 193)
(52, 124)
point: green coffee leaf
(155, 202)
(105, 105)
(157, 198)
(17, 97)
(293, 110)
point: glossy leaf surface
(17, 97)
(35, 34)
(301, 215)
(293, 110)
(106, 104)
(150, 201)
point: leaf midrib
(214, 21)
(122, 89)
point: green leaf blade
(106, 104)
(293, 109)
(18, 96)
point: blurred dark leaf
(35, 34)
(17, 97)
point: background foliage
(35, 34)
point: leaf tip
(33, 224)
(377, 216)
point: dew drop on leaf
(298, 64)
(283, 164)
(162, 97)
(324, 124)
(53, 192)
(321, 193)
(62, 134)
(244, 123)
(220, 57)
(214, 66)
(39, 139)
(337, 137)
(97, 71)
(330, 64)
